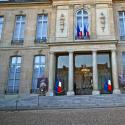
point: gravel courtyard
(93, 116)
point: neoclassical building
(79, 42)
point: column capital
(51, 52)
(70, 51)
(94, 50)
(113, 50)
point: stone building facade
(80, 42)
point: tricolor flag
(86, 31)
(58, 86)
(79, 32)
(108, 86)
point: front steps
(62, 102)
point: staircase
(62, 102)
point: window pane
(19, 28)
(36, 59)
(39, 30)
(1, 19)
(121, 22)
(17, 31)
(14, 74)
(85, 13)
(22, 31)
(82, 27)
(121, 14)
(79, 13)
(18, 18)
(14, 60)
(44, 33)
(18, 59)
(39, 17)
(39, 69)
(18, 68)
(45, 17)
(42, 59)
(1, 26)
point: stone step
(44, 102)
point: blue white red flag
(79, 32)
(58, 86)
(86, 31)
(108, 86)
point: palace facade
(81, 43)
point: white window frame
(1, 23)
(16, 64)
(39, 64)
(21, 21)
(123, 17)
(82, 16)
(42, 37)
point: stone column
(51, 74)
(95, 74)
(115, 73)
(70, 81)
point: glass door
(83, 74)
(62, 69)
(104, 73)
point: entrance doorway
(104, 73)
(62, 69)
(83, 74)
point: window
(1, 26)
(38, 71)
(123, 61)
(19, 29)
(41, 32)
(82, 25)
(122, 25)
(14, 75)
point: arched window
(82, 25)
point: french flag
(58, 86)
(86, 32)
(109, 85)
(79, 32)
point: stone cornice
(38, 3)
(84, 42)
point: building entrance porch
(83, 72)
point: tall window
(82, 25)
(19, 29)
(122, 25)
(41, 32)
(38, 71)
(14, 74)
(1, 26)
(123, 61)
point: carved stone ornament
(62, 22)
(102, 21)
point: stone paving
(63, 102)
(93, 116)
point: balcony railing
(17, 42)
(43, 40)
(11, 91)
